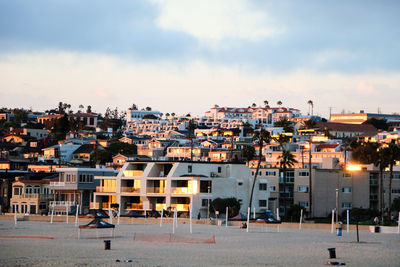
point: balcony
(63, 186)
(181, 190)
(155, 190)
(133, 173)
(129, 189)
(135, 206)
(62, 203)
(57, 183)
(104, 189)
(181, 207)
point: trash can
(107, 244)
(377, 229)
(332, 253)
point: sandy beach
(233, 246)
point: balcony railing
(155, 190)
(181, 207)
(128, 189)
(57, 183)
(133, 173)
(103, 189)
(62, 203)
(135, 206)
(180, 190)
(38, 196)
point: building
(132, 115)
(360, 116)
(181, 185)
(356, 189)
(76, 186)
(31, 196)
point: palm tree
(286, 160)
(253, 105)
(266, 103)
(380, 160)
(260, 137)
(392, 153)
(311, 106)
(279, 103)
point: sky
(186, 56)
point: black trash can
(332, 253)
(377, 229)
(107, 244)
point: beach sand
(233, 247)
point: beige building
(356, 189)
(31, 196)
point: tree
(61, 127)
(173, 114)
(220, 204)
(308, 124)
(133, 107)
(285, 124)
(253, 105)
(101, 156)
(260, 137)
(392, 154)
(121, 147)
(148, 108)
(89, 109)
(286, 160)
(248, 152)
(279, 103)
(266, 103)
(380, 124)
(311, 107)
(149, 117)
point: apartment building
(356, 189)
(181, 185)
(76, 186)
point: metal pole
(162, 215)
(208, 202)
(76, 215)
(358, 238)
(398, 224)
(119, 211)
(145, 216)
(52, 213)
(337, 205)
(333, 216)
(248, 219)
(279, 218)
(254, 213)
(310, 180)
(190, 219)
(301, 218)
(348, 220)
(226, 215)
(66, 210)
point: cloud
(215, 20)
(104, 81)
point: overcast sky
(185, 56)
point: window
(204, 202)
(262, 187)
(396, 175)
(303, 189)
(262, 203)
(17, 191)
(205, 186)
(272, 188)
(303, 204)
(190, 169)
(396, 190)
(219, 169)
(270, 173)
(346, 189)
(303, 173)
(36, 189)
(28, 189)
(42, 205)
(240, 183)
(347, 174)
(346, 205)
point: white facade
(160, 185)
(132, 115)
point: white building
(132, 115)
(162, 185)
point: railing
(103, 189)
(135, 206)
(57, 183)
(128, 189)
(43, 196)
(181, 207)
(180, 190)
(62, 203)
(133, 173)
(155, 190)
